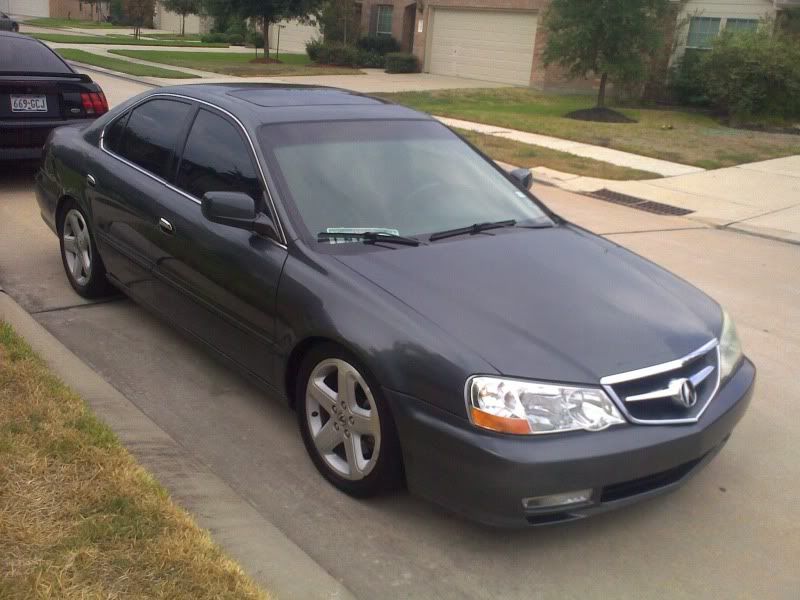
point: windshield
(409, 178)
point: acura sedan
(430, 321)
(39, 92)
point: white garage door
(294, 36)
(489, 45)
(27, 8)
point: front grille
(653, 396)
(634, 487)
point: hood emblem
(686, 395)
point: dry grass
(78, 517)
(527, 155)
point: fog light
(558, 500)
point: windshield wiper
(471, 229)
(368, 237)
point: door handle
(91, 180)
(165, 226)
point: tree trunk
(265, 26)
(601, 94)
(183, 25)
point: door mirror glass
(523, 178)
(236, 209)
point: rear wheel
(82, 263)
(346, 424)
(15, 28)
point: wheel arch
(61, 205)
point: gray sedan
(431, 321)
(7, 23)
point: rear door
(230, 276)
(131, 175)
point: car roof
(262, 103)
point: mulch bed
(600, 115)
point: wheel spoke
(74, 224)
(328, 437)
(363, 424)
(347, 387)
(322, 395)
(352, 449)
(70, 244)
(77, 266)
(85, 260)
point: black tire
(15, 28)
(95, 284)
(387, 472)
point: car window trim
(282, 241)
(185, 140)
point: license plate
(28, 103)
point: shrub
(687, 81)
(214, 38)
(256, 38)
(400, 62)
(754, 74)
(313, 49)
(370, 59)
(382, 44)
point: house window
(702, 31)
(741, 25)
(383, 23)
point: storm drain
(657, 208)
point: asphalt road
(731, 532)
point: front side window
(741, 25)
(216, 159)
(702, 31)
(409, 178)
(383, 24)
(152, 135)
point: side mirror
(236, 209)
(523, 178)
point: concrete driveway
(732, 532)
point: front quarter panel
(321, 298)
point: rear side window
(29, 56)
(217, 159)
(152, 134)
(112, 138)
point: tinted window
(113, 135)
(216, 159)
(152, 134)
(30, 56)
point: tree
(611, 38)
(267, 12)
(183, 8)
(339, 21)
(139, 13)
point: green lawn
(69, 38)
(688, 137)
(53, 22)
(239, 64)
(527, 155)
(121, 65)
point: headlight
(528, 407)
(730, 349)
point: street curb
(263, 551)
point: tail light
(94, 103)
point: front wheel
(346, 424)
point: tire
(15, 28)
(82, 263)
(352, 441)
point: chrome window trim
(283, 241)
(607, 383)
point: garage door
(489, 45)
(27, 8)
(294, 36)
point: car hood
(557, 304)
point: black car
(7, 23)
(426, 316)
(39, 92)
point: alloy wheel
(343, 419)
(77, 247)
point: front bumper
(484, 476)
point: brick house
(503, 40)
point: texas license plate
(28, 103)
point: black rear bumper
(24, 139)
(485, 476)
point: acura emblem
(687, 394)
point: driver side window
(217, 159)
